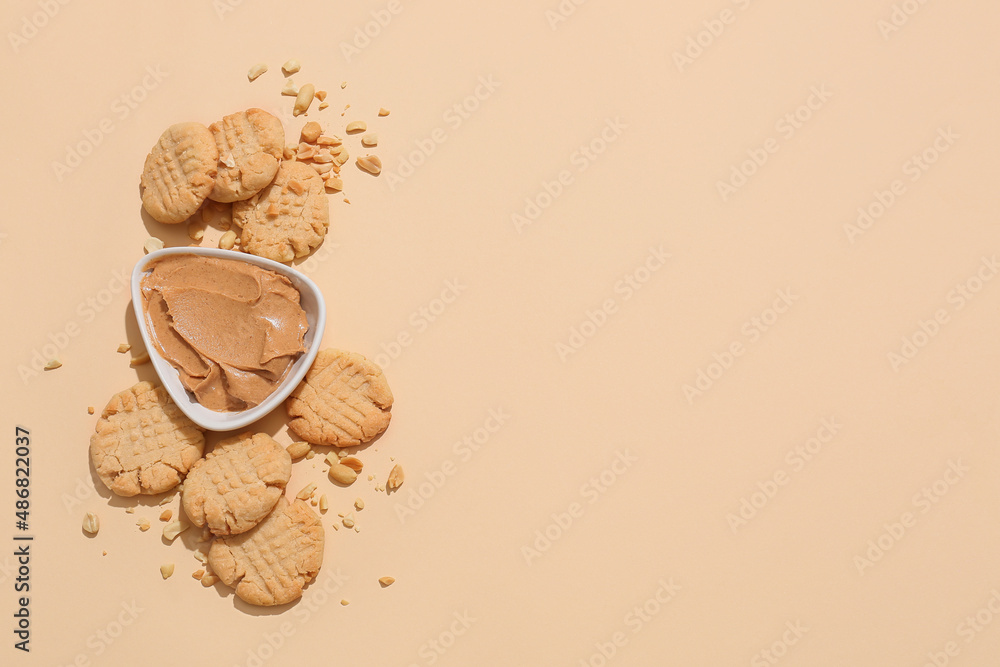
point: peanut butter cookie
(250, 146)
(143, 443)
(288, 218)
(271, 563)
(344, 400)
(237, 483)
(179, 172)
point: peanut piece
(369, 140)
(370, 163)
(123, 348)
(359, 504)
(311, 132)
(290, 88)
(324, 140)
(175, 528)
(303, 99)
(291, 67)
(395, 478)
(139, 361)
(306, 492)
(143, 524)
(356, 126)
(348, 521)
(298, 449)
(386, 581)
(228, 240)
(353, 463)
(254, 72)
(334, 184)
(320, 95)
(167, 570)
(324, 504)
(165, 515)
(341, 474)
(152, 244)
(91, 523)
(383, 111)
(52, 364)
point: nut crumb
(290, 89)
(352, 462)
(152, 244)
(296, 187)
(291, 67)
(324, 140)
(167, 570)
(140, 360)
(336, 527)
(324, 504)
(175, 528)
(345, 602)
(289, 152)
(303, 99)
(208, 579)
(143, 524)
(370, 163)
(356, 126)
(198, 574)
(298, 449)
(383, 111)
(335, 184)
(343, 84)
(123, 348)
(320, 95)
(129, 510)
(91, 523)
(52, 364)
(323, 105)
(395, 478)
(359, 504)
(200, 555)
(371, 477)
(348, 521)
(254, 72)
(310, 454)
(386, 581)
(165, 515)
(90, 409)
(306, 492)
(228, 240)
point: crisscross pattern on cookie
(251, 141)
(288, 218)
(179, 172)
(272, 563)
(143, 443)
(237, 483)
(344, 400)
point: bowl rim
(199, 414)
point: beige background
(667, 517)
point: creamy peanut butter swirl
(231, 329)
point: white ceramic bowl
(311, 301)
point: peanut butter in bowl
(227, 333)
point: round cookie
(250, 147)
(271, 563)
(179, 172)
(237, 483)
(288, 218)
(143, 443)
(344, 400)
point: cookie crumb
(52, 364)
(91, 523)
(123, 348)
(386, 581)
(291, 67)
(140, 360)
(254, 72)
(166, 514)
(167, 570)
(395, 478)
